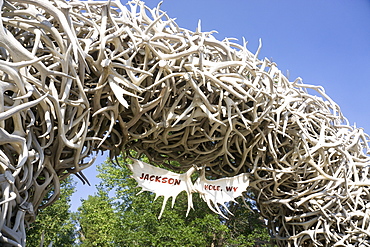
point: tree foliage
(116, 216)
(54, 223)
(131, 220)
(98, 222)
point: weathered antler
(78, 77)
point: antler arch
(79, 77)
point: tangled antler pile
(78, 77)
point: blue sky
(325, 43)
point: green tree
(139, 226)
(54, 223)
(98, 221)
(247, 227)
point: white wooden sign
(169, 184)
(221, 191)
(162, 182)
